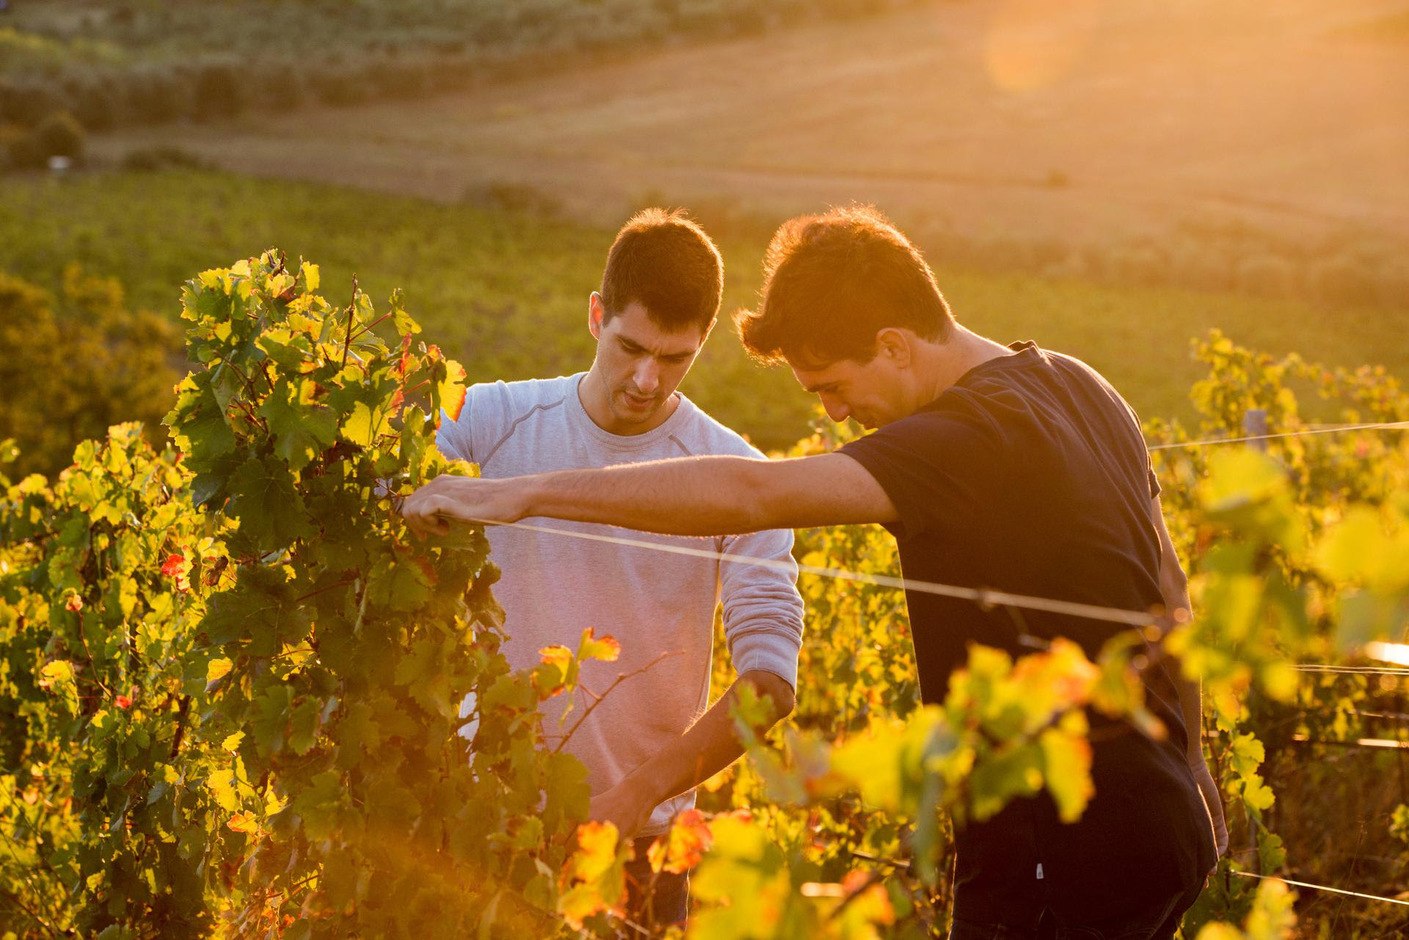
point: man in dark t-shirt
(1029, 475)
(1008, 468)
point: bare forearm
(711, 743)
(712, 495)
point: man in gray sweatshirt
(652, 739)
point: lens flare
(1030, 44)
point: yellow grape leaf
(596, 849)
(243, 822)
(311, 277)
(217, 669)
(1067, 756)
(681, 848)
(1273, 915)
(1220, 931)
(1359, 550)
(452, 389)
(594, 877)
(59, 672)
(1257, 794)
(606, 649)
(1239, 476)
(871, 761)
(362, 426)
(556, 667)
(222, 787)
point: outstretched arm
(715, 495)
(710, 745)
(1174, 586)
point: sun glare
(1033, 43)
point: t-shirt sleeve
(933, 465)
(468, 437)
(1139, 437)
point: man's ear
(894, 344)
(596, 312)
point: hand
(446, 499)
(623, 806)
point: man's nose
(647, 377)
(835, 409)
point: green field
(505, 292)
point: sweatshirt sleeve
(762, 607)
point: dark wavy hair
(832, 282)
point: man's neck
(594, 395)
(947, 362)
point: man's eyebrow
(631, 345)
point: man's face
(871, 392)
(638, 365)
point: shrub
(278, 85)
(74, 364)
(18, 148)
(60, 135)
(28, 102)
(155, 95)
(219, 91)
(342, 85)
(95, 100)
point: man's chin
(627, 414)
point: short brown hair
(664, 261)
(832, 282)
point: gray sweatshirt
(652, 602)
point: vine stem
(598, 699)
(182, 717)
(351, 318)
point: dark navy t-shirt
(1030, 475)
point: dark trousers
(1156, 922)
(654, 900)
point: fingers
(423, 512)
(448, 500)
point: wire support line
(981, 596)
(1350, 670)
(1307, 884)
(1303, 432)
